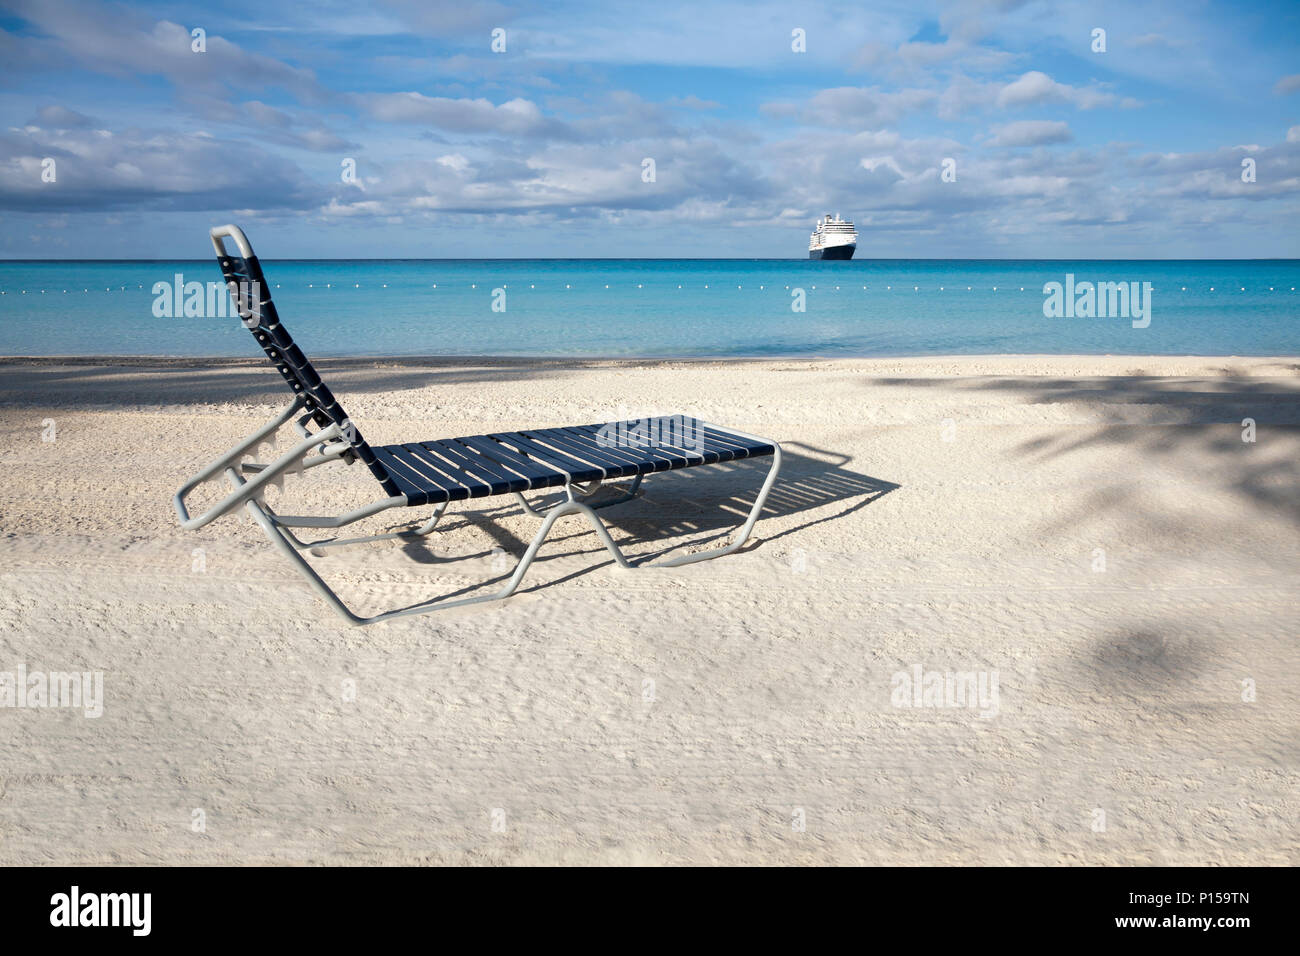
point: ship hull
(832, 252)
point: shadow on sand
(704, 505)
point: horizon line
(683, 259)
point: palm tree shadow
(1201, 418)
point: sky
(666, 129)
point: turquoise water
(658, 308)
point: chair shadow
(704, 505)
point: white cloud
(1288, 84)
(517, 117)
(1034, 88)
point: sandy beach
(1090, 536)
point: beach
(1104, 542)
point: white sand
(1119, 690)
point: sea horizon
(831, 263)
(661, 308)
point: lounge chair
(576, 461)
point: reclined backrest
(252, 297)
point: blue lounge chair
(576, 460)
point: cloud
(1288, 84)
(115, 42)
(854, 106)
(1032, 133)
(516, 117)
(100, 170)
(566, 180)
(693, 102)
(1035, 88)
(272, 125)
(442, 18)
(1293, 134)
(60, 117)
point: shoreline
(597, 361)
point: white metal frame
(328, 445)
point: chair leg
(284, 541)
(626, 496)
(742, 535)
(277, 534)
(422, 531)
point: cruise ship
(834, 238)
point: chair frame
(330, 445)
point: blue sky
(1059, 150)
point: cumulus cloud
(1288, 84)
(1035, 88)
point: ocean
(656, 308)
